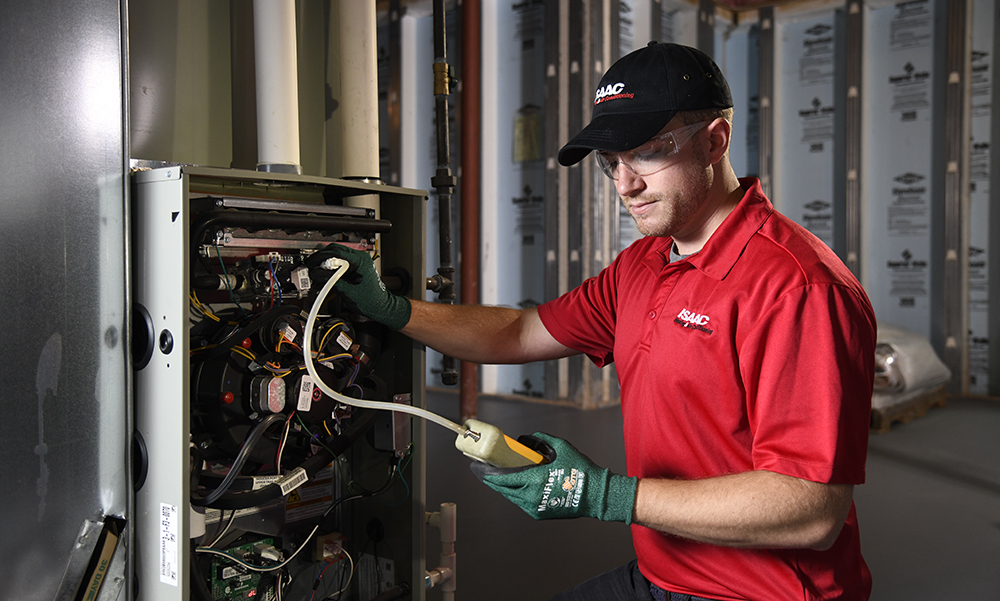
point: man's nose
(628, 183)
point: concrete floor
(929, 512)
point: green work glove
(361, 286)
(568, 485)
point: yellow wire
(242, 351)
(322, 342)
(203, 308)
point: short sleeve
(808, 366)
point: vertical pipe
(765, 115)
(359, 99)
(443, 181)
(277, 86)
(359, 89)
(469, 189)
(955, 237)
(706, 27)
(854, 78)
(395, 92)
(449, 535)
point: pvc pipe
(276, 69)
(445, 574)
(359, 89)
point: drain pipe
(276, 69)
(359, 98)
(469, 190)
(445, 575)
(443, 181)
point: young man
(743, 345)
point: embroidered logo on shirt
(694, 321)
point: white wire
(349, 578)
(342, 267)
(219, 536)
(259, 568)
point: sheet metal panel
(63, 231)
(162, 219)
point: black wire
(361, 423)
(259, 321)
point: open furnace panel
(249, 479)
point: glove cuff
(620, 498)
(397, 314)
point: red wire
(320, 577)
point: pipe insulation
(276, 70)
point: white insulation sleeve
(341, 269)
(276, 68)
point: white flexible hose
(341, 268)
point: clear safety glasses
(652, 156)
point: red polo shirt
(756, 353)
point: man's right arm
(466, 332)
(483, 334)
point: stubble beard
(671, 214)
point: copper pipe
(469, 190)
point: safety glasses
(652, 156)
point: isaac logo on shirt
(693, 320)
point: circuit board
(231, 582)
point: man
(744, 349)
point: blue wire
(274, 279)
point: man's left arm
(757, 509)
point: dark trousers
(621, 584)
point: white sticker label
(345, 341)
(168, 544)
(300, 277)
(305, 394)
(292, 480)
(289, 333)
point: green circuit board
(232, 582)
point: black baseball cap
(642, 92)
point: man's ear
(719, 132)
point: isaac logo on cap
(611, 92)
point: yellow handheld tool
(487, 443)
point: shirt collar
(726, 244)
